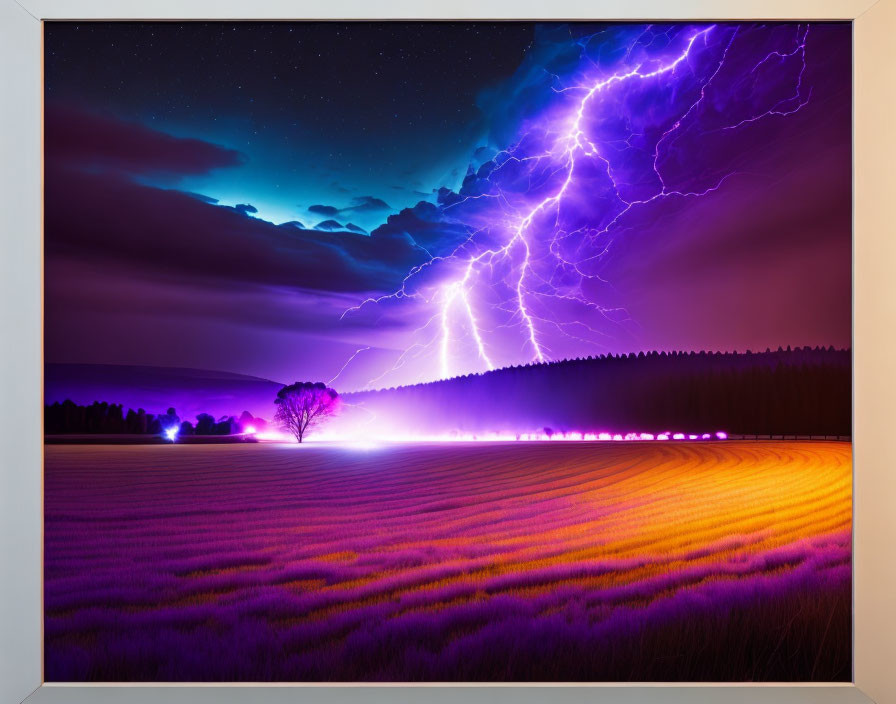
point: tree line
(803, 391)
(789, 391)
(110, 419)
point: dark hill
(189, 391)
(802, 391)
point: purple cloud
(88, 140)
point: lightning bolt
(534, 237)
(347, 362)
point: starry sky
(386, 203)
(354, 117)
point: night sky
(246, 196)
(324, 113)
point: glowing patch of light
(371, 441)
(171, 433)
(363, 445)
(274, 436)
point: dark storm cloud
(483, 154)
(166, 233)
(367, 204)
(105, 215)
(257, 306)
(199, 196)
(99, 142)
(328, 226)
(426, 225)
(509, 104)
(327, 210)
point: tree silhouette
(803, 391)
(304, 405)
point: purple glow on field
(416, 562)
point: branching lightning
(519, 282)
(349, 361)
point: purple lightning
(637, 121)
(349, 361)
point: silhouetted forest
(806, 391)
(110, 419)
(789, 391)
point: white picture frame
(874, 321)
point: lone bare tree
(304, 405)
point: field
(466, 561)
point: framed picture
(483, 352)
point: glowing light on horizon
(171, 433)
(369, 439)
(275, 436)
(366, 441)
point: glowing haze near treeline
(606, 188)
